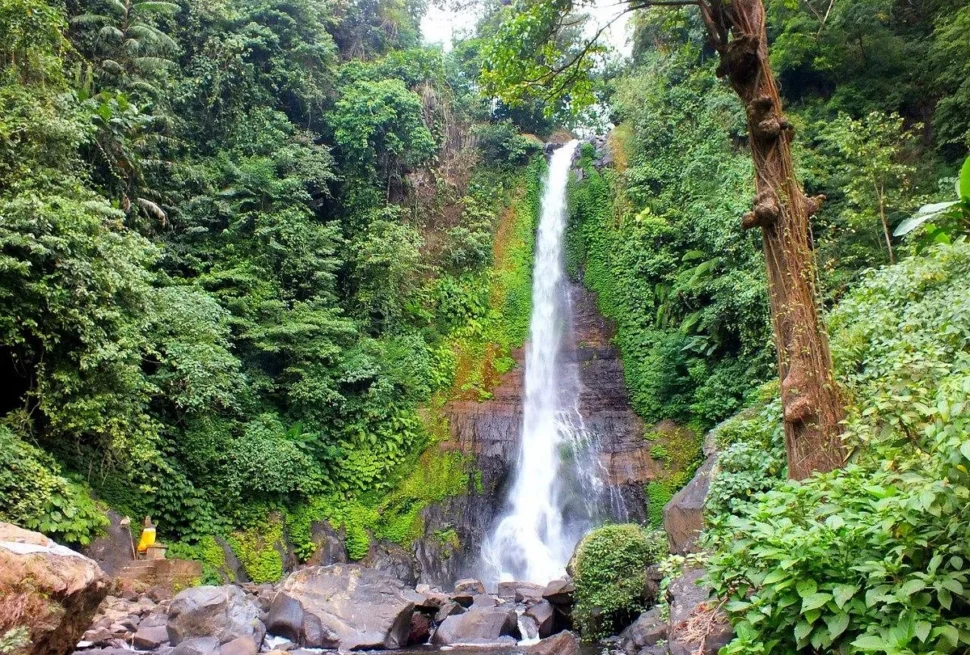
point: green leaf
(837, 624)
(870, 642)
(965, 449)
(777, 576)
(912, 586)
(802, 630)
(949, 633)
(815, 601)
(806, 588)
(843, 593)
(923, 630)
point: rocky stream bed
(69, 605)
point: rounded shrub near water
(609, 568)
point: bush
(34, 495)
(874, 557)
(610, 567)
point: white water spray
(536, 536)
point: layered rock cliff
(489, 431)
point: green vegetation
(241, 271)
(207, 551)
(872, 557)
(685, 287)
(36, 496)
(609, 576)
(260, 549)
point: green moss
(611, 562)
(258, 549)
(205, 550)
(658, 495)
(660, 453)
(449, 541)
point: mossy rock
(609, 569)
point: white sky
(442, 25)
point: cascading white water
(535, 537)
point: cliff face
(489, 432)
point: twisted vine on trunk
(812, 404)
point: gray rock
(198, 646)
(528, 628)
(154, 620)
(559, 592)
(651, 584)
(239, 646)
(564, 643)
(691, 606)
(390, 558)
(64, 593)
(684, 513)
(285, 617)
(420, 629)
(484, 601)
(222, 612)
(232, 569)
(544, 615)
(364, 607)
(646, 631)
(520, 592)
(112, 550)
(317, 636)
(450, 608)
(97, 636)
(430, 601)
(469, 585)
(477, 627)
(150, 637)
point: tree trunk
(810, 398)
(885, 223)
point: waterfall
(554, 497)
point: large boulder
(559, 592)
(480, 627)
(225, 613)
(544, 615)
(285, 618)
(697, 626)
(520, 592)
(47, 588)
(363, 607)
(564, 643)
(645, 632)
(684, 513)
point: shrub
(33, 494)
(258, 549)
(874, 557)
(610, 566)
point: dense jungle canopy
(251, 249)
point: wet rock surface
(478, 626)
(225, 613)
(684, 513)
